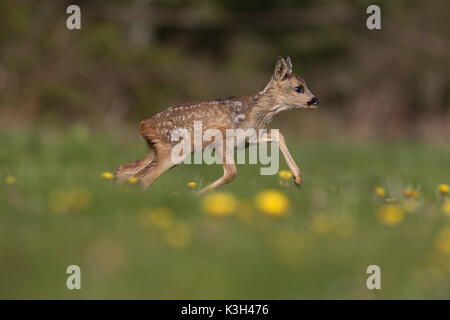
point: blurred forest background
(374, 156)
(132, 59)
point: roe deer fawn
(285, 91)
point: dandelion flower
(345, 227)
(443, 240)
(285, 174)
(192, 185)
(283, 183)
(10, 180)
(322, 223)
(410, 205)
(57, 201)
(107, 175)
(73, 200)
(391, 215)
(161, 217)
(446, 207)
(443, 188)
(219, 204)
(289, 245)
(272, 202)
(179, 235)
(411, 193)
(79, 198)
(132, 180)
(380, 191)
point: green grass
(261, 257)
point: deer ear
(289, 64)
(281, 69)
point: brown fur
(254, 111)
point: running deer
(285, 91)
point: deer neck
(263, 107)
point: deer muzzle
(313, 102)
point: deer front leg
(229, 172)
(286, 154)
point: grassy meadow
(56, 210)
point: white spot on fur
(238, 117)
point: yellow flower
(391, 215)
(380, 191)
(443, 240)
(411, 193)
(219, 204)
(132, 180)
(80, 198)
(161, 217)
(57, 201)
(192, 184)
(410, 205)
(322, 223)
(289, 245)
(272, 202)
(179, 235)
(64, 201)
(107, 175)
(443, 188)
(446, 207)
(285, 174)
(10, 180)
(344, 227)
(282, 183)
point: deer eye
(299, 89)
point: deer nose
(314, 101)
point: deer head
(287, 90)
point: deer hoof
(298, 181)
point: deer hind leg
(229, 172)
(150, 172)
(127, 170)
